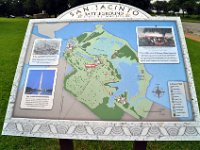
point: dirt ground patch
(192, 36)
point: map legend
(178, 99)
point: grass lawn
(11, 37)
(186, 18)
(191, 18)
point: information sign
(99, 76)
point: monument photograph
(40, 82)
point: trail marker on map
(105, 71)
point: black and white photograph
(45, 52)
(46, 47)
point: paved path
(192, 30)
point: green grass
(191, 18)
(186, 18)
(11, 37)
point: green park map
(94, 72)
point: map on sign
(125, 70)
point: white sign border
(103, 130)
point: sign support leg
(66, 144)
(140, 145)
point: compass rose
(158, 91)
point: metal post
(140, 145)
(66, 144)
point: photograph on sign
(39, 89)
(157, 44)
(45, 52)
(162, 37)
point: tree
(18, 7)
(53, 7)
(63, 5)
(181, 6)
(14, 7)
(165, 7)
(160, 6)
(74, 3)
(197, 8)
(3, 8)
(41, 4)
(173, 6)
(30, 6)
(143, 4)
(189, 6)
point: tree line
(55, 7)
(177, 6)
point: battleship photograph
(46, 47)
(40, 82)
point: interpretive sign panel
(113, 80)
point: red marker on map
(90, 65)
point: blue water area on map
(161, 73)
(84, 56)
(71, 31)
(69, 69)
(63, 47)
(127, 83)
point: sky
(34, 79)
